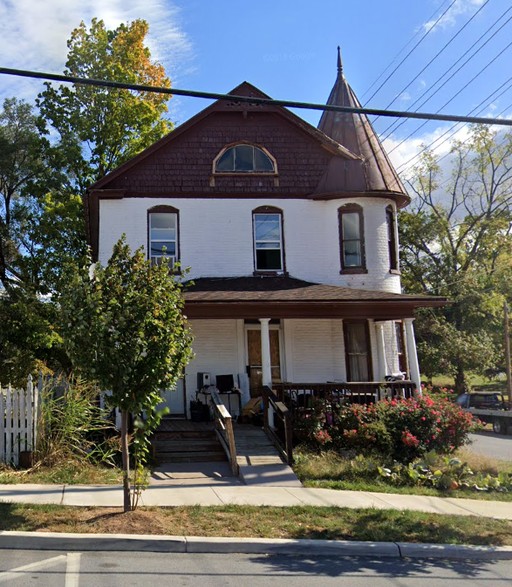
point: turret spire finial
(340, 67)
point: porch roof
(286, 297)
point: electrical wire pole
(507, 355)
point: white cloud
(402, 154)
(460, 8)
(33, 35)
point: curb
(205, 545)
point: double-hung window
(351, 228)
(268, 240)
(163, 235)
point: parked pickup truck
(490, 407)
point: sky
(448, 56)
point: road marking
(15, 573)
(73, 569)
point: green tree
(99, 128)
(124, 328)
(22, 168)
(457, 241)
(46, 164)
(27, 335)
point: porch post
(412, 355)
(381, 353)
(266, 371)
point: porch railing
(224, 430)
(288, 401)
(281, 433)
(300, 395)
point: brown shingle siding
(176, 167)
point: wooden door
(254, 358)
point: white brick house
(290, 235)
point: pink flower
(322, 436)
(409, 439)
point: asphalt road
(491, 445)
(98, 569)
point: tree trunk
(461, 384)
(126, 461)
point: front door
(174, 399)
(254, 358)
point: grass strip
(264, 522)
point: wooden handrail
(270, 399)
(224, 430)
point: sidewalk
(211, 487)
(224, 491)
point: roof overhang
(286, 297)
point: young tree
(457, 242)
(124, 328)
(100, 128)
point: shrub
(400, 429)
(72, 425)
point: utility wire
(251, 99)
(411, 51)
(400, 52)
(453, 97)
(404, 166)
(439, 53)
(447, 72)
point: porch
(270, 330)
(260, 455)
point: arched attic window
(244, 158)
(163, 222)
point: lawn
(331, 470)
(263, 522)
(67, 472)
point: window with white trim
(244, 158)
(268, 240)
(163, 236)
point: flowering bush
(400, 429)
(439, 391)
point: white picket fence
(19, 415)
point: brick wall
(216, 237)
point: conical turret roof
(355, 132)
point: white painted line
(73, 569)
(16, 573)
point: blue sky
(288, 49)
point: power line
(453, 97)
(252, 99)
(400, 52)
(411, 51)
(446, 73)
(403, 167)
(446, 45)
